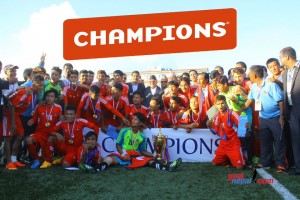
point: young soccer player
(74, 91)
(118, 77)
(195, 119)
(21, 104)
(186, 89)
(136, 106)
(173, 111)
(54, 82)
(173, 91)
(132, 151)
(89, 156)
(104, 89)
(90, 106)
(225, 124)
(156, 117)
(119, 103)
(46, 116)
(71, 139)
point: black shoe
(293, 173)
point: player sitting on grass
(132, 152)
(225, 123)
(89, 154)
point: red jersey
(226, 126)
(72, 95)
(173, 116)
(103, 88)
(119, 105)
(73, 131)
(184, 102)
(87, 109)
(24, 104)
(190, 93)
(125, 90)
(160, 120)
(46, 114)
(131, 109)
(93, 155)
(199, 118)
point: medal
(48, 116)
(33, 100)
(114, 116)
(71, 133)
(94, 109)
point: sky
(30, 27)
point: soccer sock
(160, 165)
(32, 150)
(13, 158)
(102, 166)
(49, 152)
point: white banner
(197, 146)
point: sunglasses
(164, 81)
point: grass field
(190, 181)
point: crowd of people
(48, 112)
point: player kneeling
(225, 123)
(132, 152)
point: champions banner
(197, 146)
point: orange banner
(146, 34)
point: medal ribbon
(174, 120)
(71, 133)
(48, 116)
(156, 121)
(197, 120)
(93, 107)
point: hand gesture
(43, 57)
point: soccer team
(50, 111)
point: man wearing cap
(152, 91)
(10, 76)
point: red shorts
(19, 125)
(5, 123)
(69, 151)
(40, 138)
(234, 154)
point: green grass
(191, 181)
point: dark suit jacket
(148, 95)
(141, 88)
(295, 93)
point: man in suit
(134, 85)
(152, 91)
(291, 86)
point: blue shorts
(121, 162)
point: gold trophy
(159, 143)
